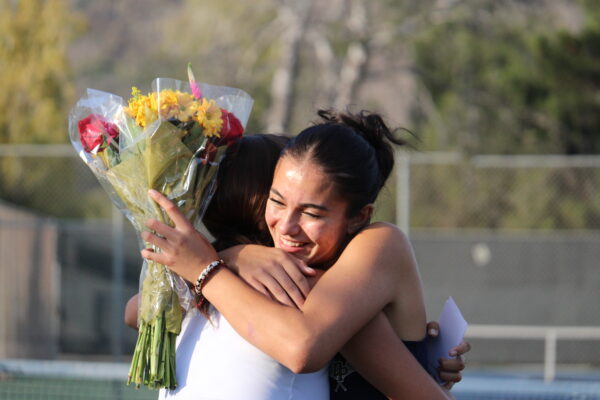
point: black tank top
(347, 384)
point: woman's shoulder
(383, 231)
(381, 240)
(382, 226)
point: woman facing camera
(321, 200)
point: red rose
(232, 128)
(94, 131)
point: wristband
(213, 266)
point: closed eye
(279, 203)
(316, 216)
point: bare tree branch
(354, 66)
(295, 14)
(328, 65)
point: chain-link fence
(505, 192)
(514, 239)
(87, 260)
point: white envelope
(452, 331)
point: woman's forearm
(383, 360)
(280, 331)
(131, 312)
(303, 340)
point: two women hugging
(302, 297)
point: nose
(288, 223)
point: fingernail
(453, 353)
(152, 192)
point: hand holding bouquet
(170, 140)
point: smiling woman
(326, 182)
(310, 223)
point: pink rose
(232, 128)
(96, 133)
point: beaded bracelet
(202, 277)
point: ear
(361, 219)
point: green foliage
(504, 84)
(37, 91)
(462, 195)
(507, 82)
(37, 88)
(469, 67)
(568, 93)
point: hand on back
(271, 271)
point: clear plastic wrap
(170, 140)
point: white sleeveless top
(215, 363)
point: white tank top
(215, 363)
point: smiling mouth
(291, 243)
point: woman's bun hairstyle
(374, 130)
(355, 149)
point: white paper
(452, 331)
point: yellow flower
(175, 104)
(188, 106)
(183, 106)
(142, 108)
(168, 104)
(209, 117)
(135, 92)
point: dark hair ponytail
(354, 149)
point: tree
(502, 78)
(503, 81)
(37, 92)
(291, 55)
(567, 85)
(37, 88)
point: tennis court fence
(78, 380)
(549, 334)
(67, 380)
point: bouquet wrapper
(161, 141)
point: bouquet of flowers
(170, 140)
